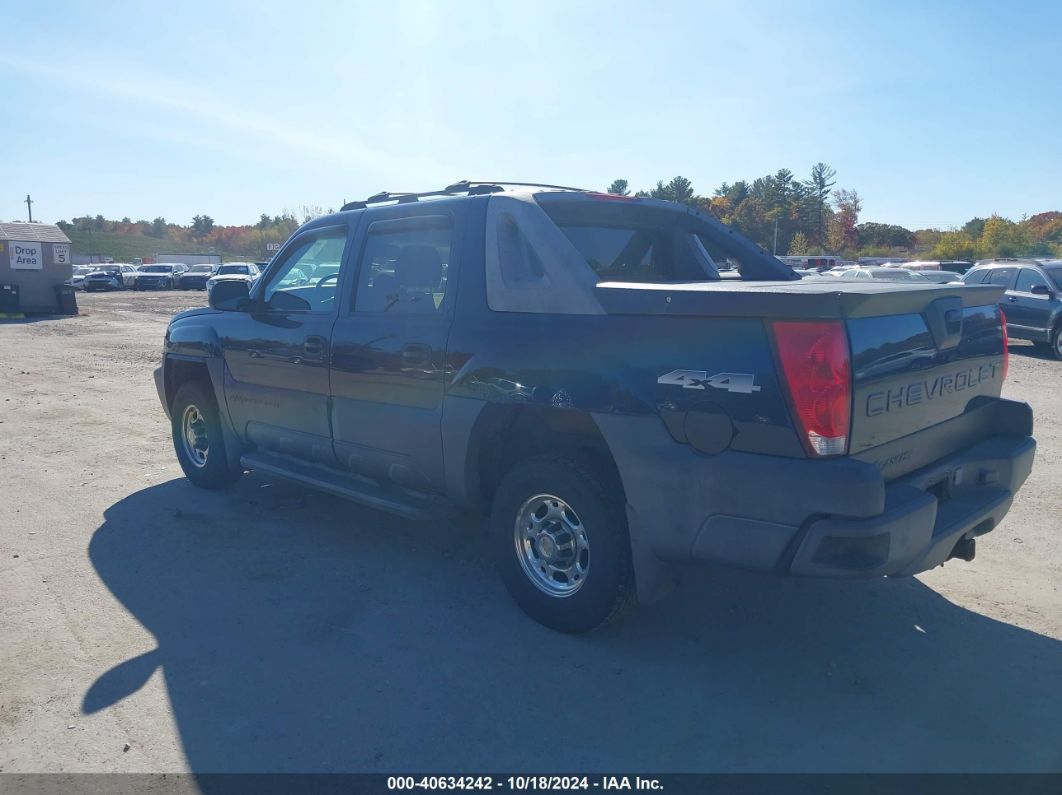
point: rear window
(1002, 276)
(635, 247)
(619, 254)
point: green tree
(974, 227)
(158, 227)
(750, 218)
(619, 187)
(818, 186)
(875, 235)
(202, 224)
(679, 189)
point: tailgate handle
(944, 318)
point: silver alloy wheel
(194, 436)
(552, 545)
(1058, 345)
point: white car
(882, 274)
(234, 271)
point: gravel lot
(149, 626)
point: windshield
(201, 268)
(157, 268)
(226, 269)
(1054, 273)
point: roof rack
(470, 187)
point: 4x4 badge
(699, 379)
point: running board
(352, 487)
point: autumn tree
(842, 234)
(798, 246)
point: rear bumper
(822, 518)
(927, 514)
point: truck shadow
(300, 633)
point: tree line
(787, 215)
(782, 213)
(249, 240)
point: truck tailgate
(920, 353)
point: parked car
(234, 271)
(111, 276)
(77, 278)
(160, 276)
(195, 278)
(572, 365)
(959, 266)
(882, 274)
(941, 277)
(1032, 302)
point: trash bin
(65, 299)
(9, 301)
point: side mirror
(230, 296)
(1041, 289)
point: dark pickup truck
(571, 364)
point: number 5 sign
(60, 253)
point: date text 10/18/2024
(524, 783)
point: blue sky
(934, 112)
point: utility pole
(29, 207)
(775, 250)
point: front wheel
(197, 438)
(1056, 342)
(560, 541)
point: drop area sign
(26, 256)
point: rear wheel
(1056, 342)
(559, 537)
(197, 437)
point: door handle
(415, 354)
(1012, 298)
(314, 345)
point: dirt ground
(148, 626)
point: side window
(404, 265)
(306, 279)
(1027, 279)
(1003, 276)
(974, 277)
(520, 263)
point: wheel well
(510, 434)
(181, 371)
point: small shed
(36, 257)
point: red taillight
(814, 360)
(1006, 343)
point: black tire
(607, 590)
(1056, 342)
(214, 472)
